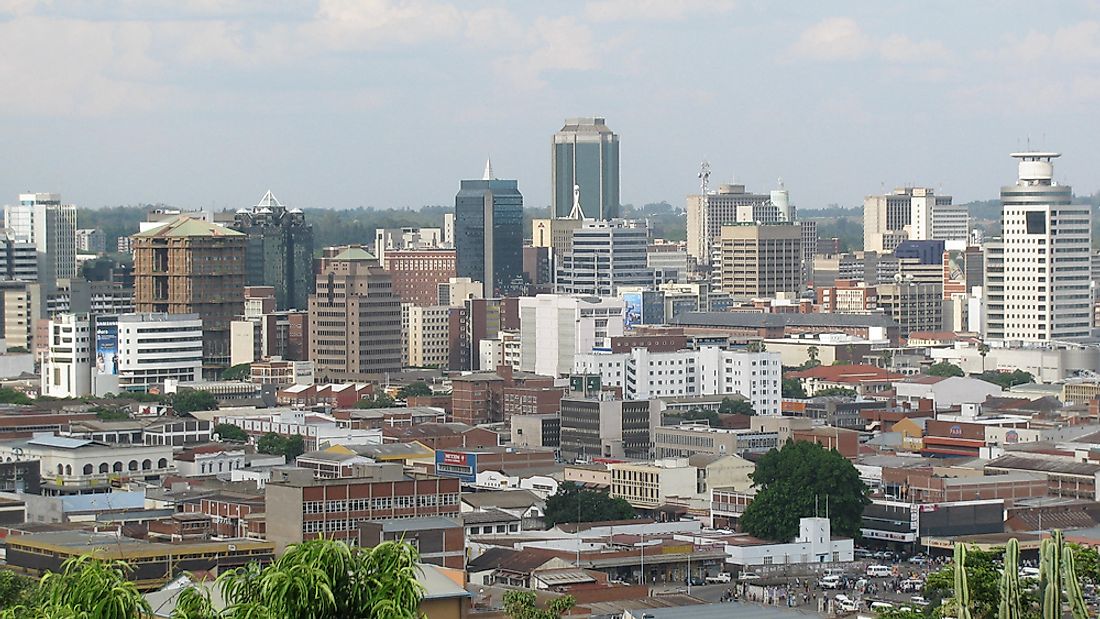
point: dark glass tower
(489, 233)
(278, 251)
(586, 154)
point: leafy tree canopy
(736, 407)
(414, 389)
(572, 503)
(288, 447)
(379, 401)
(11, 396)
(1007, 379)
(792, 388)
(241, 371)
(983, 576)
(844, 391)
(521, 605)
(196, 400)
(230, 432)
(110, 414)
(944, 368)
(798, 479)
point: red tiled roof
(933, 335)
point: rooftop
(185, 226)
(755, 320)
(1043, 465)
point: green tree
(379, 401)
(85, 588)
(756, 346)
(1007, 379)
(571, 503)
(11, 396)
(844, 391)
(418, 388)
(736, 407)
(944, 368)
(799, 480)
(699, 414)
(194, 400)
(14, 589)
(522, 605)
(293, 447)
(271, 443)
(983, 579)
(230, 432)
(792, 388)
(104, 413)
(983, 350)
(241, 371)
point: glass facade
(489, 234)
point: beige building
(759, 261)
(22, 306)
(424, 335)
(1079, 391)
(689, 439)
(649, 485)
(188, 266)
(707, 214)
(354, 318)
(915, 213)
(915, 306)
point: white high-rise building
(67, 368)
(731, 204)
(1037, 277)
(643, 375)
(424, 335)
(553, 329)
(605, 256)
(914, 213)
(42, 220)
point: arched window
(88, 469)
(133, 465)
(68, 469)
(60, 469)
(117, 467)
(221, 467)
(162, 463)
(202, 468)
(104, 468)
(146, 464)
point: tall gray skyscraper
(489, 233)
(585, 153)
(278, 250)
(42, 220)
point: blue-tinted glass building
(586, 154)
(489, 234)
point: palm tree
(84, 588)
(983, 350)
(811, 353)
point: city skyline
(203, 105)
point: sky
(389, 103)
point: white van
(881, 606)
(878, 571)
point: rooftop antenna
(704, 177)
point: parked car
(719, 578)
(847, 606)
(881, 606)
(748, 576)
(829, 582)
(918, 559)
(695, 581)
(878, 571)
(919, 600)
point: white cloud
(842, 39)
(653, 10)
(559, 44)
(358, 25)
(1079, 43)
(901, 49)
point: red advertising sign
(451, 457)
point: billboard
(456, 464)
(106, 349)
(633, 315)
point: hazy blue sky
(343, 103)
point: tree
(983, 350)
(11, 396)
(230, 432)
(417, 388)
(792, 388)
(944, 368)
(85, 587)
(799, 480)
(736, 407)
(1007, 379)
(14, 589)
(293, 447)
(194, 400)
(983, 578)
(571, 503)
(521, 605)
(241, 371)
(844, 391)
(319, 579)
(271, 443)
(104, 413)
(379, 401)
(757, 346)
(812, 360)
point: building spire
(577, 213)
(488, 176)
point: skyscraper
(354, 318)
(43, 221)
(914, 213)
(731, 204)
(605, 256)
(1037, 277)
(278, 250)
(585, 153)
(489, 233)
(189, 266)
(760, 260)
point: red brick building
(485, 397)
(417, 273)
(442, 436)
(228, 511)
(343, 395)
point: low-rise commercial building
(80, 466)
(678, 481)
(608, 428)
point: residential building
(354, 318)
(425, 332)
(67, 368)
(335, 395)
(865, 380)
(760, 260)
(300, 508)
(209, 460)
(553, 329)
(91, 241)
(501, 350)
(489, 233)
(872, 326)
(76, 296)
(439, 540)
(457, 290)
(1037, 277)
(642, 374)
(731, 204)
(417, 273)
(605, 256)
(278, 250)
(317, 430)
(908, 213)
(815, 545)
(282, 372)
(22, 307)
(468, 464)
(608, 428)
(81, 466)
(847, 296)
(188, 266)
(585, 154)
(43, 221)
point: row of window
(380, 503)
